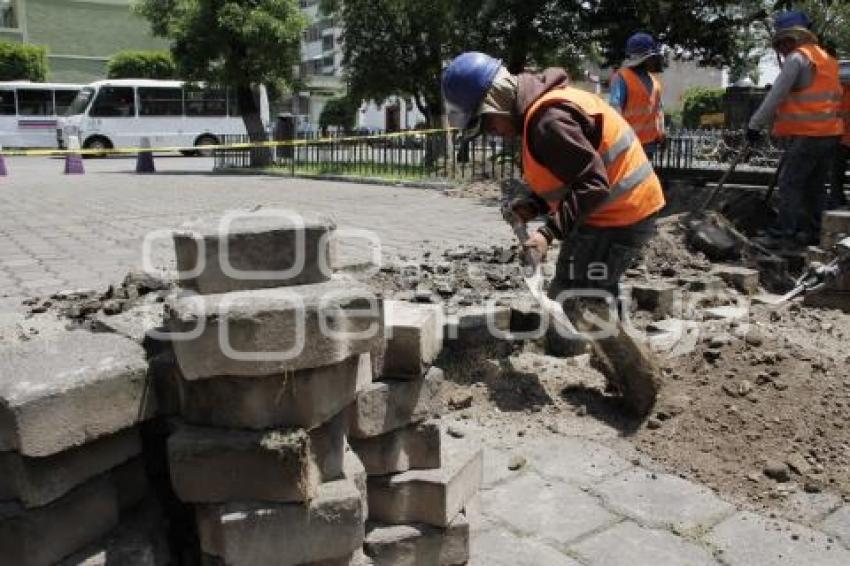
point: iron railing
(417, 155)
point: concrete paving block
(628, 544)
(213, 465)
(499, 547)
(747, 539)
(574, 460)
(743, 279)
(250, 534)
(415, 447)
(418, 543)
(136, 324)
(43, 535)
(35, 482)
(414, 334)
(553, 512)
(69, 389)
(662, 500)
(389, 405)
(303, 399)
(353, 469)
(139, 540)
(434, 497)
(838, 524)
(656, 297)
(357, 558)
(212, 254)
(274, 331)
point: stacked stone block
(834, 227)
(420, 480)
(273, 351)
(72, 481)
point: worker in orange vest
(584, 164)
(837, 198)
(636, 91)
(804, 106)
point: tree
(701, 30)
(340, 112)
(141, 65)
(238, 43)
(20, 62)
(830, 21)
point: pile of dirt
(754, 402)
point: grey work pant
(802, 185)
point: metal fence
(432, 156)
(401, 155)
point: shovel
(625, 362)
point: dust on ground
(754, 402)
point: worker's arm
(619, 93)
(564, 140)
(793, 73)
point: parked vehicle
(118, 113)
(29, 112)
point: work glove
(534, 250)
(753, 136)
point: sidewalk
(577, 502)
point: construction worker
(803, 105)
(636, 91)
(837, 198)
(584, 164)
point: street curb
(433, 185)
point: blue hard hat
(465, 83)
(640, 44)
(792, 19)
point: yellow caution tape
(248, 145)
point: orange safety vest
(813, 111)
(643, 109)
(635, 192)
(845, 115)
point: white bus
(118, 113)
(29, 112)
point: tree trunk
(249, 106)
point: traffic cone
(3, 171)
(73, 161)
(144, 159)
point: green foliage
(339, 112)
(831, 22)
(141, 65)
(235, 42)
(701, 30)
(697, 101)
(19, 62)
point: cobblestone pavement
(61, 231)
(577, 501)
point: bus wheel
(205, 139)
(97, 143)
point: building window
(313, 33)
(307, 3)
(8, 18)
(311, 68)
(328, 43)
(328, 65)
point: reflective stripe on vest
(813, 111)
(643, 109)
(845, 115)
(635, 192)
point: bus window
(7, 103)
(160, 101)
(33, 102)
(205, 102)
(232, 103)
(81, 101)
(114, 102)
(64, 98)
